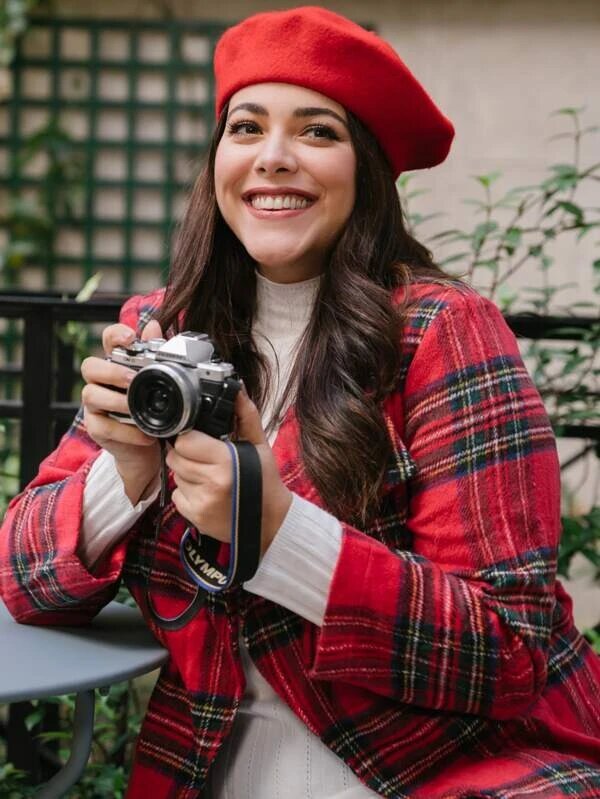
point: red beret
(313, 47)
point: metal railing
(47, 377)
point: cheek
(228, 173)
(340, 180)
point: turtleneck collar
(284, 308)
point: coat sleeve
(42, 578)
(461, 622)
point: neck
(292, 273)
(284, 308)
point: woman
(404, 635)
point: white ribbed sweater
(270, 754)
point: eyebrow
(311, 111)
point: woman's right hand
(137, 456)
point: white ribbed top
(282, 313)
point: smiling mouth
(287, 202)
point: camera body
(181, 385)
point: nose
(275, 155)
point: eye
(236, 127)
(323, 132)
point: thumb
(152, 330)
(249, 425)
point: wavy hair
(348, 358)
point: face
(284, 177)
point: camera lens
(158, 400)
(162, 399)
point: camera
(181, 384)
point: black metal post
(65, 380)
(36, 424)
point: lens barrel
(163, 399)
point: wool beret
(320, 50)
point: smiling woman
(404, 634)
(285, 143)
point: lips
(278, 203)
(275, 191)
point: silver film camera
(181, 384)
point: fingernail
(129, 375)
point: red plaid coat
(447, 664)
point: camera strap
(199, 552)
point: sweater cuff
(107, 511)
(297, 569)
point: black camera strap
(198, 552)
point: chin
(274, 259)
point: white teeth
(278, 202)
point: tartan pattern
(447, 665)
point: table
(37, 662)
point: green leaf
(512, 239)
(34, 717)
(585, 229)
(54, 736)
(573, 364)
(487, 180)
(572, 111)
(418, 219)
(486, 263)
(452, 234)
(506, 298)
(565, 177)
(416, 193)
(404, 179)
(482, 231)
(89, 287)
(477, 203)
(564, 169)
(459, 256)
(573, 209)
(566, 331)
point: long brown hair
(348, 357)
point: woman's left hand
(201, 467)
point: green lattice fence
(135, 98)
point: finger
(99, 399)
(99, 370)
(152, 330)
(200, 447)
(249, 425)
(193, 471)
(187, 488)
(180, 498)
(116, 336)
(102, 428)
